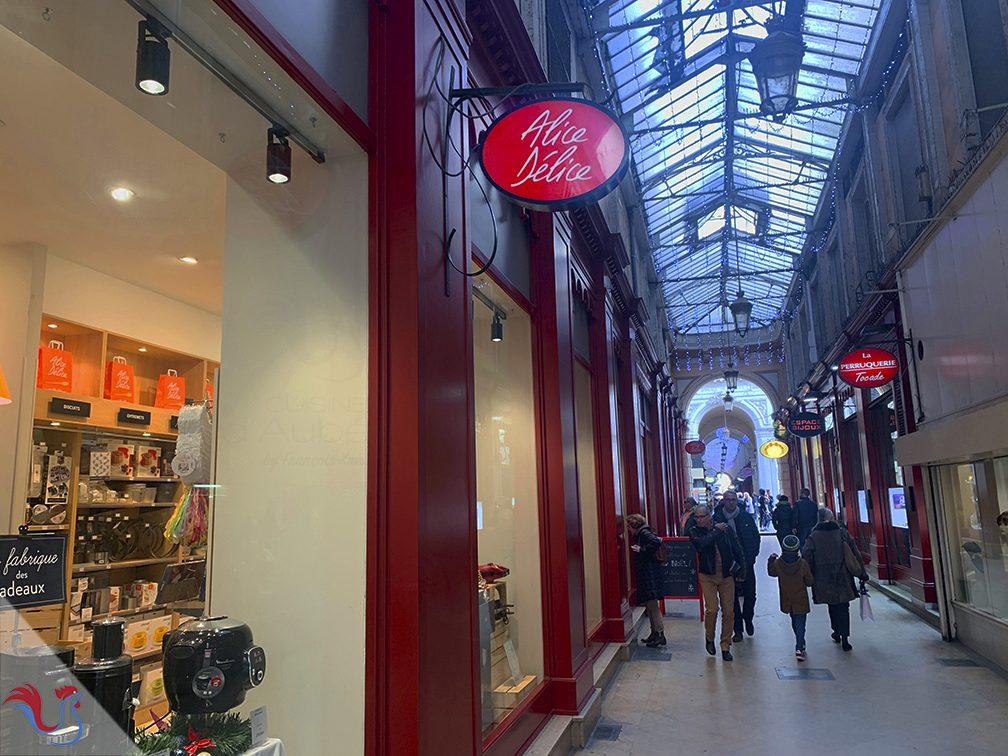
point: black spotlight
(153, 62)
(496, 329)
(278, 156)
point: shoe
(835, 637)
(800, 655)
(726, 655)
(711, 648)
(845, 645)
(650, 638)
(737, 637)
(658, 640)
(749, 627)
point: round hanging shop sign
(556, 154)
(806, 425)
(774, 449)
(710, 474)
(696, 447)
(745, 472)
(868, 368)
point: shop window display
(507, 503)
(976, 501)
(161, 257)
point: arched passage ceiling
(725, 192)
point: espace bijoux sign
(868, 368)
(556, 154)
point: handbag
(852, 561)
(866, 612)
(170, 391)
(661, 555)
(55, 368)
(119, 383)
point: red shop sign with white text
(868, 368)
(556, 154)
(696, 447)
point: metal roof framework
(727, 194)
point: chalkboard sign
(32, 570)
(680, 572)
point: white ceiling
(71, 136)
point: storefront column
(568, 662)
(874, 480)
(612, 533)
(421, 656)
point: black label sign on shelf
(134, 417)
(59, 406)
(32, 571)
(173, 422)
(681, 576)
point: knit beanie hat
(791, 543)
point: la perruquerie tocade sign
(556, 154)
(868, 368)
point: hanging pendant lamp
(775, 62)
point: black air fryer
(209, 663)
(108, 676)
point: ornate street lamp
(728, 402)
(741, 309)
(775, 63)
(731, 378)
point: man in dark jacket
(745, 528)
(722, 561)
(784, 519)
(806, 514)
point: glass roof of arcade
(725, 190)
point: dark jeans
(798, 625)
(839, 619)
(745, 598)
(803, 533)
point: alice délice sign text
(32, 571)
(555, 154)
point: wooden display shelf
(133, 478)
(104, 415)
(128, 612)
(81, 569)
(125, 505)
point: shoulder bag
(852, 561)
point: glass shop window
(589, 495)
(507, 503)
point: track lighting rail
(227, 78)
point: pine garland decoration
(229, 734)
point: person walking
(793, 578)
(834, 582)
(784, 519)
(648, 571)
(687, 522)
(806, 513)
(763, 502)
(744, 527)
(721, 562)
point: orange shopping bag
(55, 367)
(170, 391)
(119, 383)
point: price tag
(258, 717)
(512, 658)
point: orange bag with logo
(119, 383)
(55, 367)
(170, 391)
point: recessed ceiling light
(190, 260)
(121, 193)
(53, 325)
(53, 423)
(142, 349)
(146, 434)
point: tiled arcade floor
(891, 695)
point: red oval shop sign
(556, 154)
(696, 447)
(868, 368)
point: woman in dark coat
(648, 571)
(834, 584)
